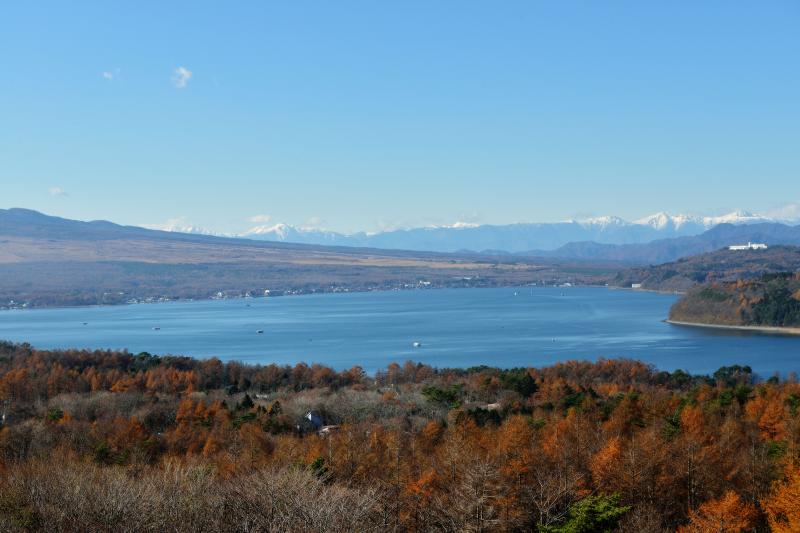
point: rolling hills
(719, 266)
(48, 260)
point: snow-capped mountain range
(521, 237)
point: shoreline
(655, 291)
(303, 293)
(772, 330)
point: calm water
(457, 328)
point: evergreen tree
(594, 514)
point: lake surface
(456, 328)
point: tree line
(101, 440)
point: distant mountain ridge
(514, 238)
(46, 260)
(30, 224)
(494, 240)
(672, 249)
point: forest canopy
(101, 440)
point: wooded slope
(719, 266)
(110, 440)
(772, 300)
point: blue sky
(365, 115)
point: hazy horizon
(788, 213)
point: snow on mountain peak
(663, 220)
(659, 220)
(463, 225)
(462, 235)
(180, 225)
(278, 230)
(735, 217)
(602, 221)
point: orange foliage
(671, 446)
(423, 487)
(782, 506)
(694, 425)
(605, 463)
(768, 411)
(728, 514)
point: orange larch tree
(782, 506)
(729, 514)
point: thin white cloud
(57, 191)
(260, 219)
(181, 77)
(110, 75)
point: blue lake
(456, 328)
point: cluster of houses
(14, 305)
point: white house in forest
(748, 246)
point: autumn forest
(101, 441)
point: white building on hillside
(748, 246)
